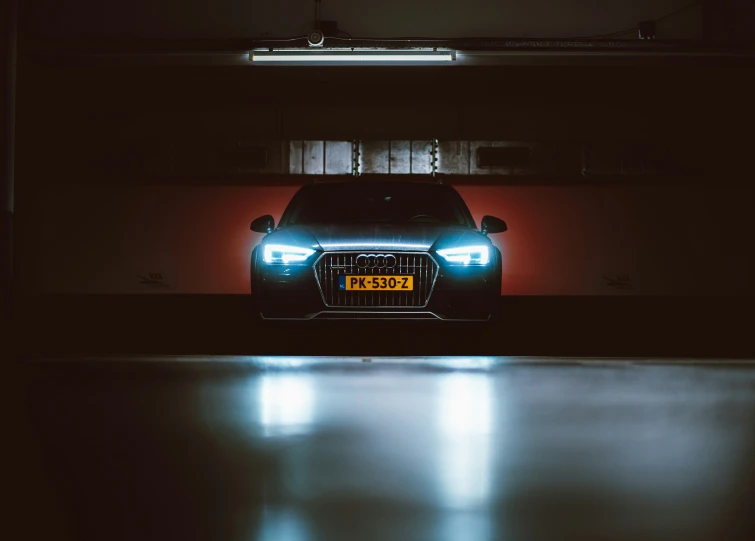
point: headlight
(467, 255)
(282, 255)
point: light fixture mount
(315, 38)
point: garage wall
(572, 240)
(114, 235)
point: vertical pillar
(8, 48)
(35, 509)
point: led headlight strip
(282, 254)
(466, 255)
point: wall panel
(572, 240)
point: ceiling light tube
(355, 56)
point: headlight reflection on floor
(287, 403)
(283, 524)
(465, 429)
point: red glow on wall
(221, 218)
(571, 240)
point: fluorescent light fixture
(468, 255)
(356, 56)
(283, 255)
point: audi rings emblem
(376, 261)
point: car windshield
(382, 203)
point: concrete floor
(464, 448)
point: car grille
(421, 266)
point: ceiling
(232, 19)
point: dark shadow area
(134, 455)
(714, 327)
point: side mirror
(263, 224)
(491, 224)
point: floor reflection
(475, 525)
(465, 409)
(286, 403)
(282, 524)
(420, 449)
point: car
(361, 249)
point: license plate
(375, 283)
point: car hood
(394, 237)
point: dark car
(367, 249)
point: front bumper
(459, 293)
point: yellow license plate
(376, 283)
